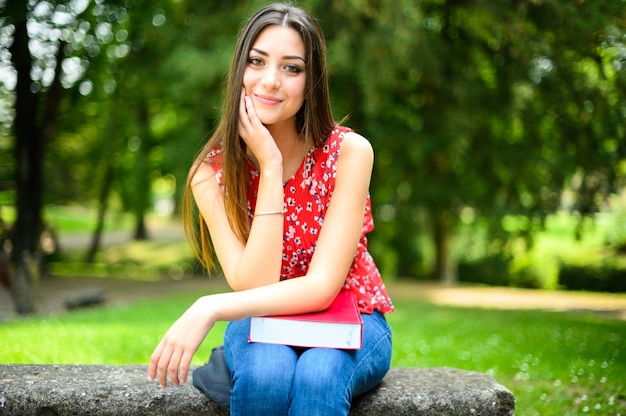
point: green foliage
(608, 277)
(533, 271)
(524, 271)
(458, 100)
(493, 106)
(491, 270)
(616, 238)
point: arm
(256, 262)
(329, 266)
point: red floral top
(307, 196)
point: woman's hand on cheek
(174, 353)
(257, 137)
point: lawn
(555, 363)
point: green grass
(138, 260)
(75, 218)
(555, 363)
(111, 335)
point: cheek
(247, 80)
(299, 87)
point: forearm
(261, 259)
(173, 354)
(294, 296)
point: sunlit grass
(77, 218)
(554, 363)
(108, 335)
(138, 260)
(558, 238)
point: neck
(292, 147)
(289, 142)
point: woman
(283, 200)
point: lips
(267, 99)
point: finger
(251, 111)
(185, 362)
(244, 120)
(154, 360)
(173, 367)
(163, 365)
(243, 111)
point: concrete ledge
(99, 390)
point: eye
(255, 61)
(293, 69)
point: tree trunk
(107, 181)
(445, 270)
(26, 231)
(33, 126)
(105, 190)
(142, 201)
(28, 147)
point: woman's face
(275, 76)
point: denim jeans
(271, 379)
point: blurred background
(499, 130)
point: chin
(268, 121)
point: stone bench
(50, 390)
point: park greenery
(555, 363)
(490, 120)
(499, 128)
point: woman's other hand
(174, 353)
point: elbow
(241, 280)
(326, 294)
(237, 283)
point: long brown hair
(314, 122)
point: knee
(266, 370)
(264, 373)
(322, 370)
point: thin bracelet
(269, 213)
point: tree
(469, 105)
(39, 53)
(477, 109)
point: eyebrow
(262, 52)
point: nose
(271, 78)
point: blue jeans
(271, 379)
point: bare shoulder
(357, 146)
(201, 174)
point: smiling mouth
(266, 99)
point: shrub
(530, 271)
(607, 277)
(491, 271)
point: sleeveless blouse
(307, 196)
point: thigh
(250, 357)
(262, 374)
(373, 360)
(339, 375)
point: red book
(339, 326)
